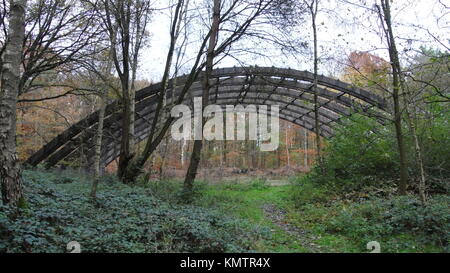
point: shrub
(363, 153)
(396, 222)
(435, 136)
(360, 154)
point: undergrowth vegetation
(363, 155)
(401, 224)
(337, 221)
(353, 194)
(347, 222)
(230, 217)
(123, 219)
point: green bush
(397, 223)
(435, 140)
(362, 153)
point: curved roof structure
(290, 89)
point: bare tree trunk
(411, 118)
(224, 144)
(417, 148)
(164, 158)
(396, 72)
(183, 153)
(132, 114)
(419, 159)
(10, 172)
(123, 18)
(103, 96)
(287, 147)
(306, 148)
(140, 24)
(125, 152)
(195, 158)
(313, 7)
(131, 171)
(98, 146)
(277, 154)
(125, 149)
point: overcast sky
(338, 36)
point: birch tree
(102, 77)
(10, 172)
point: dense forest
(89, 161)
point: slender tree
(384, 13)
(198, 144)
(133, 169)
(125, 22)
(313, 7)
(102, 94)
